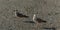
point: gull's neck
(34, 17)
(16, 13)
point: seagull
(37, 20)
(20, 14)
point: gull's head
(34, 15)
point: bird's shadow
(28, 22)
(50, 28)
(53, 28)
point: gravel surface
(48, 10)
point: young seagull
(37, 20)
(20, 14)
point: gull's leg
(36, 26)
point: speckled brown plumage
(40, 20)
